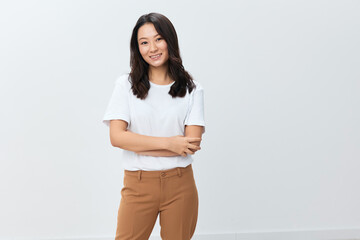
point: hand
(182, 145)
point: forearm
(158, 153)
(135, 142)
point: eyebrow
(146, 38)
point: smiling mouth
(156, 56)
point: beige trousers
(171, 193)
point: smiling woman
(156, 115)
(153, 49)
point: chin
(157, 65)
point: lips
(157, 56)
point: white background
(282, 110)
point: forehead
(147, 31)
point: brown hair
(139, 67)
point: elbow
(113, 143)
(116, 140)
(117, 130)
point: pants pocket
(130, 189)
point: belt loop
(139, 175)
(179, 171)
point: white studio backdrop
(282, 110)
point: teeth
(155, 56)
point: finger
(189, 151)
(193, 146)
(184, 154)
(193, 150)
(193, 139)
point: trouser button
(163, 174)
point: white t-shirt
(158, 115)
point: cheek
(164, 46)
(142, 50)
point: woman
(156, 115)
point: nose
(153, 47)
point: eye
(143, 42)
(158, 38)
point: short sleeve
(195, 115)
(118, 106)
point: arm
(158, 153)
(194, 131)
(190, 131)
(121, 138)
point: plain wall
(282, 110)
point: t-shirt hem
(106, 120)
(198, 124)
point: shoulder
(198, 85)
(123, 80)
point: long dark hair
(139, 67)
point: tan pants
(145, 194)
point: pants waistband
(161, 173)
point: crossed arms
(148, 145)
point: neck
(159, 75)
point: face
(152, 47)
